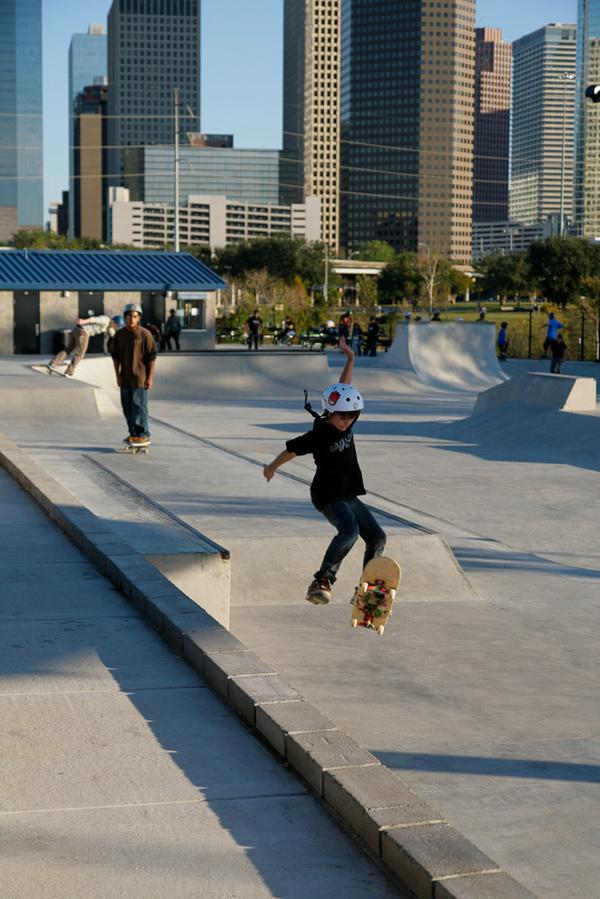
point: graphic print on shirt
(342, 444)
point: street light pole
(565, 77)
(176, 173)
(326, 280)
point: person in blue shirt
(553, 326)
(503, 342)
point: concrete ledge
(413, 840)
(420, 856)
(277, 720)
(481, 886)
(245, 693)
(373, 801)
(312, 755)
(566, 393)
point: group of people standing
(352, 333)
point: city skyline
(241, 78)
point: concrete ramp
(566, 393)
(221, 374)
(49, 398)
(275, 571)
(448, 356)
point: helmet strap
(309, 408)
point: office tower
(153, 47)
(311, 89)
(87, 62)
(587, 152)
(407, 107)
(541, 182)
(493, 64)
(89, 162)
(208, 220)
(249, 175)
(21, 186)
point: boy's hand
(345, 349)
(268, 472)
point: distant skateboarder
(79, 339)
(559, 351)
(553, 326)
(338, 479)
(503, 342)
(134, 352)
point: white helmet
(342, 398)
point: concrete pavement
(123, 774)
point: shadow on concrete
(534, 769)
(511, 560)
(90, 636)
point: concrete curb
(412, 839)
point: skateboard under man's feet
(375, 594)
(133, 447)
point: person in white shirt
(79, 339)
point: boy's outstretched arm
(346, 375)
(281, 459)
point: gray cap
(132, 307)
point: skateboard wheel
(392, 593)
(380, 630)
(354, 622)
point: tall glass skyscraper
(493, 65)
(543, 89)
(153, 47)
(311, 127)
(587, 149)
(87, 64)
(21, 173)
(407, 106)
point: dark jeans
(134, 402)
(253, 340)
(351, 519)
(169, 337)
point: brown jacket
(133, 350)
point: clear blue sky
(241, 66)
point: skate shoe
(139, 441)
(319, 592)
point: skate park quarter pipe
(447, 355)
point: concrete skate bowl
(222, 375)
(446, 356)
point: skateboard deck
(133, 450)
(374, 597)
(46, 370)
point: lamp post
(176, 172)
(565, 77)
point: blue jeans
(351, 519)
(134, 402)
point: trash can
(61, 340)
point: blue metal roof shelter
(104, 270)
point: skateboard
(46, 370)
(372, 605)
(133, 450)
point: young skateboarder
(79, 339)
(133, 352)
(338, 479)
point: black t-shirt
(254, 323)
(338, 474)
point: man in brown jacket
(133, 353)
